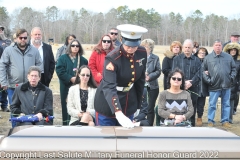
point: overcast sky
(227, 8)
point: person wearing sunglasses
(119, 94)
(190, 65)
(15, 62)
(96, 60)
(175, 104)
(113, 33)
(62, 50)
(80, 103)
(66, 71)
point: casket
(85, 142)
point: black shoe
(5, 110)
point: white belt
(125, 89)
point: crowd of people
(118, 85)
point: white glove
(123, 120)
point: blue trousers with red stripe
(102, 120)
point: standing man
(219, 81)
(4, 42)
(113, 33)
(120, 92)
(233, 39)
(15, 62)
(46, 54)
(190, 65)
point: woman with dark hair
(62, 50)
(234, 50)
(202, 88)
(81, 98)
(175, 49)
(66, 71)
(96, 60)
(175, 104)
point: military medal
(140, 61)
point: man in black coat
(119, 94)
(190, 65)
(46, 53)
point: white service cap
(131, 34)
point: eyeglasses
(175, 78)
(112, 33)
(106, 41)
(22, 38)
(85, 75)
(75, 45)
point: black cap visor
(131, 42)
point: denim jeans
(225, 105)
(10, 94)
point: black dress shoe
(6, 110)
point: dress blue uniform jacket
(121, 69)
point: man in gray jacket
(15, 62)
(219, 71)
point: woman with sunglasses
(175, 104)
(81, 98)
(96, 60)
(66, 71)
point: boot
(199, 122)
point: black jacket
(203, 86)
(167, 66)
(154, 70)
(236, 81)
(221, 71)
(1, 51)
(49, 62)
(191, 71)
(121, 70)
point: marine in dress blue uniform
(119, 94)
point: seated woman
(80, 103)
(175, 104)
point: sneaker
(210, 124)
(226, 125)
(6, 110)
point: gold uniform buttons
(131, 66)
(115, 103)
(117, 108)
(131, 60)
(132, 79)
(133, 73)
